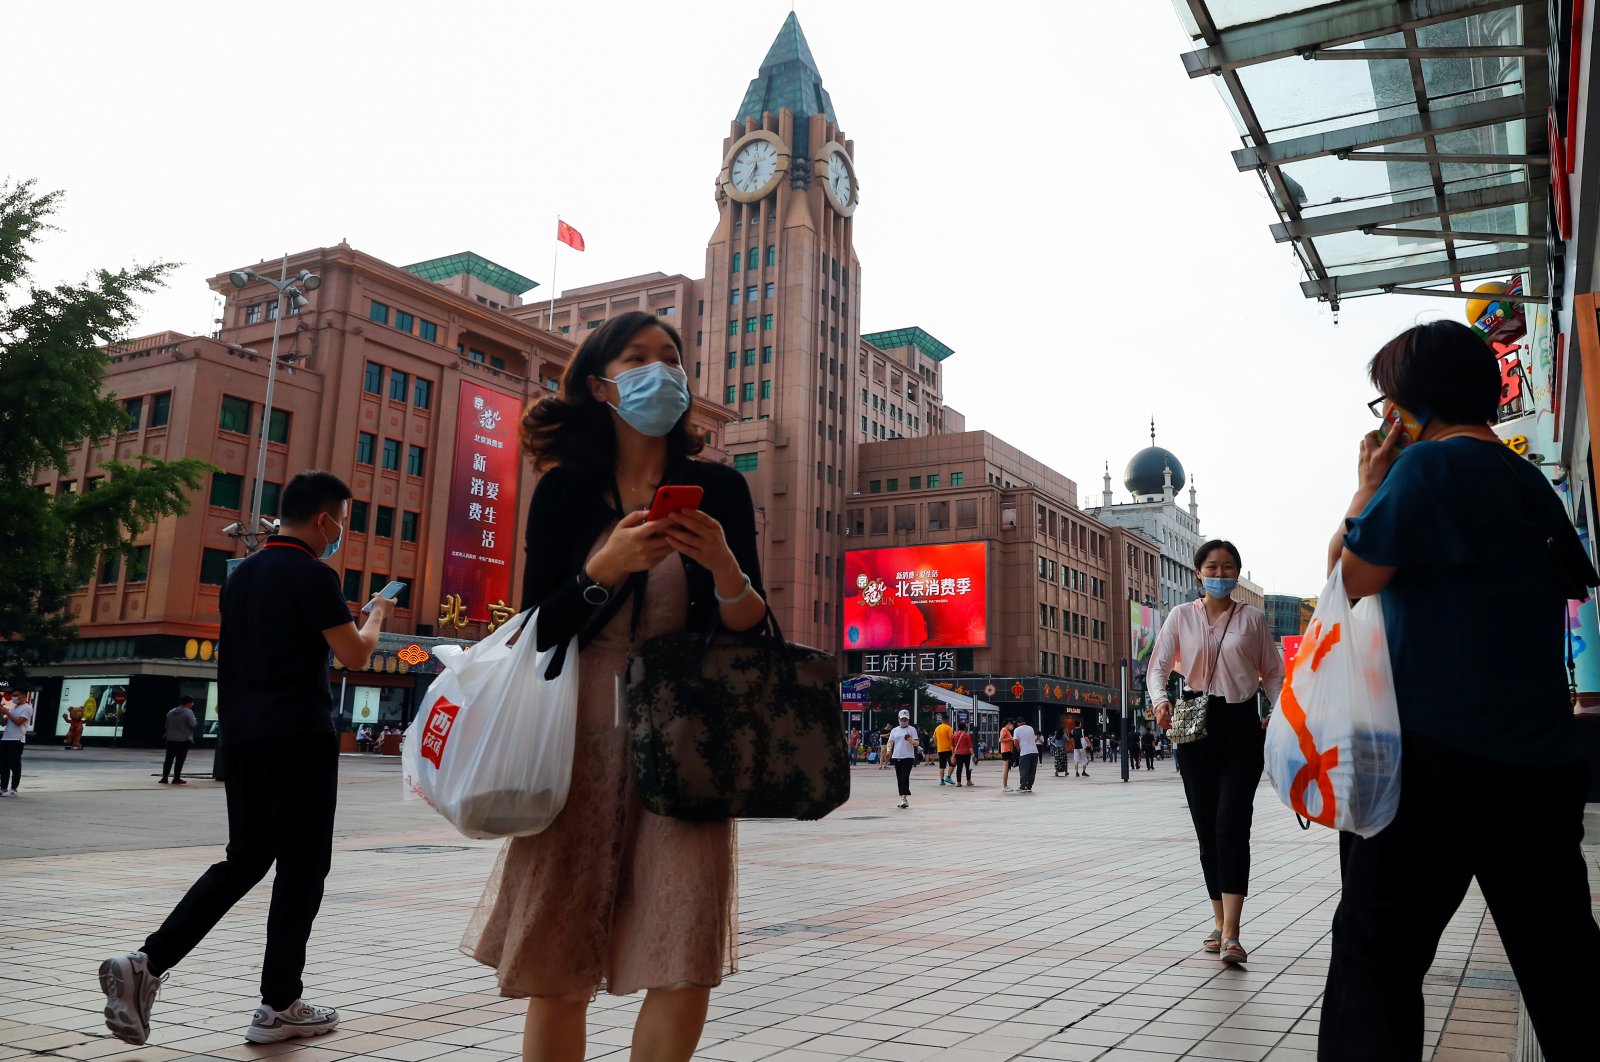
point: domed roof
(1146, 473)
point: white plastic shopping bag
(491, 747)
(1333, 745)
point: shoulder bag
(736, 725)
(1189, 714)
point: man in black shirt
(282, 611)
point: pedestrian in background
(1082, 753)
(74, 720)
(1148, 744)
(961, 748)
(179, 735)
(944, 744)
(902, 746)
(16, 713)
(1027, 756)
(883, 748)
(1224, 648)
(1008, 753)
(1455, 534)
(288, 608)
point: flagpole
(555, 259)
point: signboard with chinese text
(103, 701)
(913, 596)
(479, 541)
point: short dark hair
(1441, 368)
(1211, 547)
(573, 427)
(310, 493)
(185, 699)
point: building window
(733, 327)
(752, 259)
(735, 262)
(366, 447)
(372, 383)
(894, 485)
(916, 482)
(160, 409)
(938, 516)
(428, 330)
(139, 564)
(391, 455)
(269, 497)
(383, 527)
(226, 490)
(958, 479)
(278, 426)
(352, 585)
(235, 415)
(750, 356)
(749, 392)
(252, 314)
(397, 385)
(746, 462)
(766, 355)
(733, 296)
(933, 481)
(733, 394)
(770, 290)
(750, 324)
(403, 321)
(875, 486)
(772, 254)
(358, 516)
(905, 517)
(733, 359)
(591, 326)
(214, 566)
(408, 526)
(379, 312)
(766, 388)
(416, 457)
(134, 408)
(422, 393)
(880, 519)
(766, 322)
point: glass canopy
(1403, 145)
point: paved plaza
(977, 925)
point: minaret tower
(1106, 498)
(781, 326)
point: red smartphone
(669, 500)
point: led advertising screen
(911, 596)
(479, 545)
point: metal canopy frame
(1458, 88)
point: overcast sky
(1042, 188)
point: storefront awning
(1403, 145)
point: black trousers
(10, 764)
(177, 752)
(1028, 769)
(281, 795)
(963, 763)
(1401, 888)
(902, 773)
(1220, 775)
(1150, 759)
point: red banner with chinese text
(479, 534)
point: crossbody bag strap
(1211, 673)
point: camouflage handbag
(736, 725)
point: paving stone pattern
(978, 925)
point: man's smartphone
(669, 500)
(390, 592)
(1398, 417)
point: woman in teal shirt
(1474, 560)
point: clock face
(840, 183)
(754, 167)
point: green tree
(895, 693)
(52, 400)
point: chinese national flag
(569, 235)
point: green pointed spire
(788, 78)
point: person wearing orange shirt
(943, 741)
(1008, 752)
(961, 744)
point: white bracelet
(736, 598)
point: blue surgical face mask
(1219, 588)
(653, 398)
(333, 547)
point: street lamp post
(294, 288)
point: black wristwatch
(594, 593)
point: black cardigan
(567, 515)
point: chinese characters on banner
(885, 663)
(917, 595)
(478, 538)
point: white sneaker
(8, 792)
(296, 1020)
(130, 990)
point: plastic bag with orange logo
(1333, 744)
(491, 747)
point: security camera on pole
(294, 288)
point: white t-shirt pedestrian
(900, 743)
(17, 731)
(1027, 741)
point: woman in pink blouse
(1224, 649)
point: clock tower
(782, 323)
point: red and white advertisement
(912, 596)
(437, 731)
(479, 536)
